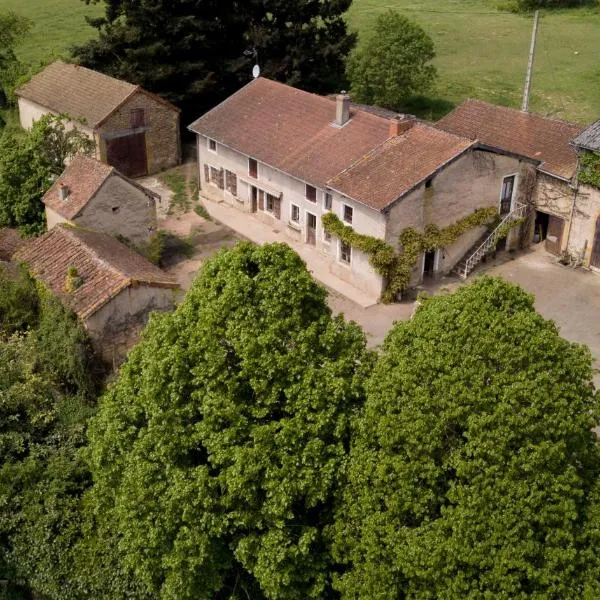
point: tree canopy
(393, 63)
(196, 53)
(217, 451)
(29, 163)
(12, 28)
(474, 469)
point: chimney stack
(401, 123)
(342, 109)
(63, 191)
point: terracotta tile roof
(10, 242)
(525, 134)
(589, 138)
(106, 266)
(83, 177)
(81, 93)
(292, 130)
(398, 165)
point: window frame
(296, 208)
(308, 187)
(252, 172)
(341, 258)
(351, 209)
(209, 145)
(328, 196)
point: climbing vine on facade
(589, 168)
(396, 268)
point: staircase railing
(492, 240)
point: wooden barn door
(595, 259)
(128, 154)
(554, 234)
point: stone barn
(94, 195)
(135, 131)
(111, 288)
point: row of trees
(253, 447)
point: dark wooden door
(554, 234)
(253, 199)
(311, 229)
(128, 154)
(595, 259)
(508, 186)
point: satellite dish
(255, 71)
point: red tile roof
(292, 130)
(399, 165)
(106, 267)
(524, 134)
(83, 177)
(81, 93)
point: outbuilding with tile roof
(94, 195)
(105, 283)
(134, 130)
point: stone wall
(472, 181)
(120, 208)
(583, 224)
(163, 144)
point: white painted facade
(30, 111)
(292, 193)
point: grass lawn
(482, 52)
(57, 25)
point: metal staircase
(476, 254)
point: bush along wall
(396, 268)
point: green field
(482, 51)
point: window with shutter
(277, 208)
(221, 179)
(231, 182)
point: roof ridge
(517, 110)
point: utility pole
(525, 105)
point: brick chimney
(63, 191)
(342, 109)
(401, 123)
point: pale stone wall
(583, 223)
(133, 305)
(29, 112)
(163, 145)
(472, 181)
(134, 217)
(365, 220)
(53, 218)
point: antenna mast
(525, 105)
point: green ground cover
(482, 51)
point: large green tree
(29, 163)
(217, 452)
(473, 471)
(393, 64)
(12, 29)
(196, 52)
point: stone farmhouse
(546, 160)
(135, 131)
(287, 157)
(107, 285)
(93, 195)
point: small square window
(348, 213)
(311, 193)
(295, 213)
(212, 145)
(252, 168)
(345, 252)
(328, 201)
(137, 118)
